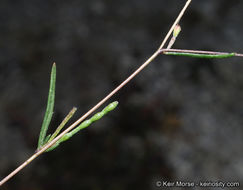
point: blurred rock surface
(181, 118)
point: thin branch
(199, 52)
(48, 145)
(175, 23)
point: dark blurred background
(179, 119)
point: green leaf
(205, 56)
(49, 108)
(85, 124)
(63, 123)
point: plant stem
(199, 52)
(48, 145)
(174, 25)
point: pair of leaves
(43, 139)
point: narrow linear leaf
(63, 123)
(49, 108)
(85, 124)
(206, 56)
